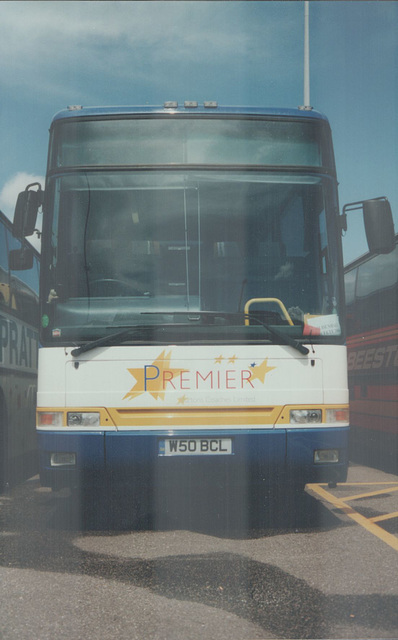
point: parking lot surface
(321, 566)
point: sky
(55, 53)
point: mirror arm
(353, 206)
(350, 206)
(40, 192)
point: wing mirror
(26, 209)
(20, 259)
(378, 221)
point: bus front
(191, 292)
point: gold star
(260, 371)
(182, 400)
(153, 377)
(218, 360)
(232, 360)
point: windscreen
(225, 253)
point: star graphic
(253, 364)
(182, 400)
(261, 370)
(151, 378)
(218, 360)
(232, 360)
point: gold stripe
(192, 417)
(195, 417)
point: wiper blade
(192, 315)
(120, 336)
(107, 340)
(125, 334)
(284, 338)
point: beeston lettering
(374, 358)
(185, 380)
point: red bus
(371, 284)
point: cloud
(11, 189)
(73, 28)
(130, 41)
(67, 24)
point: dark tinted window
(373, 301)
(24, 287)
(149, 141)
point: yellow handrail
(278, 302)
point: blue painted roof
(79, 112)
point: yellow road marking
(371, 493)
(359, 484)
(366, 523)
(387, 516)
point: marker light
(49, 418)
(83, 419)
(337, 415)
(62, 459)
(326, 456)
(305, 416)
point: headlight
(83, 419)
(305, 416)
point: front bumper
(262, 459)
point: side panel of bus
(18, 364)
(372, 308)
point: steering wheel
(111, 287)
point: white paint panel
(184, 377)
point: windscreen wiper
(195, 315)
(108, 340)
(284, 338)
(121, 336)
(125, 334)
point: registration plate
(195, 447)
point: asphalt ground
(323, 565)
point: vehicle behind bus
(19, 314)
(371, 284)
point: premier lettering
(153, 375)
(185, 380)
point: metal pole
(306, 56)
